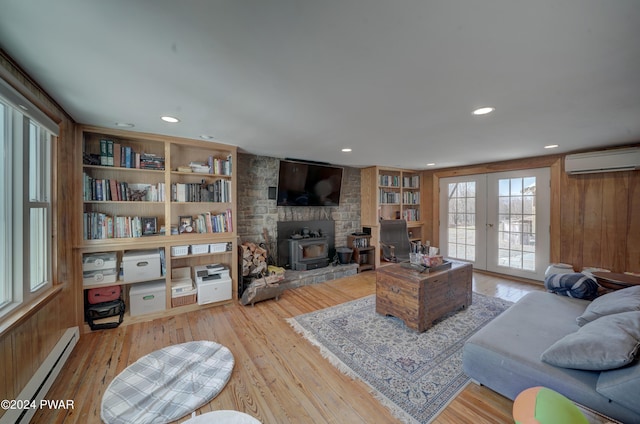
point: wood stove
(307, 231)
(308, 253)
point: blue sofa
(505, 356)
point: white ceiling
(394, 80)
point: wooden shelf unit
(363, 252)
(390, 193)
(176, 152)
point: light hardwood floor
(278, 376)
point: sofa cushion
(606, 343)
(612, 303)
(622, 386)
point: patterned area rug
(414, 374)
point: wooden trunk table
(421, 298)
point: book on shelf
(219, 166)
(211, 222)
(411, 214)
(110, 152)
(117, 153)
(151, 161)
(218, 191)
(106, 152)
(411, 197)
(96, 189)
(127, 157)
(390, 180)
(411, 181)
(389, 196)
(99, 226)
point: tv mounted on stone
(303, 183)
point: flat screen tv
(308, 184)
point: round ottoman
(223, 417)
(539, 405)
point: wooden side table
(363, 253)
(616, 281)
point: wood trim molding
(24, 312)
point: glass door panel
(518, 224)
(461, 236)
(497, 221)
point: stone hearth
(293, 279)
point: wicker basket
(186, 298)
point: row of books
(411, 214)
(218, 191)
(114, 154)
(97, 226)
(213, 223)
(411, 197)
(112, 190)
(390, 180)
(220, 166)
(389, 196)
(394, 181)
(411, 182)
(361, 242)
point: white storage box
(141, 265)
(95, 261)
(145, 298)
(179, 250)
(199, 248)
(213, 288)
(99, 276)
(217, 247)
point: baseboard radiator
(36, 389)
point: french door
(498, 221)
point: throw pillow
(606, 343)
(611, 303)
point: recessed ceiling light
(431, 164)
(347, 149)
(207, 137)
(124, 125)
(484, 110)
(170, 119)
(550, 146)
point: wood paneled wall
(600, 218)
(27, 337)
(595, 218)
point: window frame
(22, 127)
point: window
(25, 201)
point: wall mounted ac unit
(603, 161)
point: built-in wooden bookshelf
(139, 191)
(390, 193)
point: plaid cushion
(168, 384)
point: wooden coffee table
(419, 299)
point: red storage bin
(103, 294)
